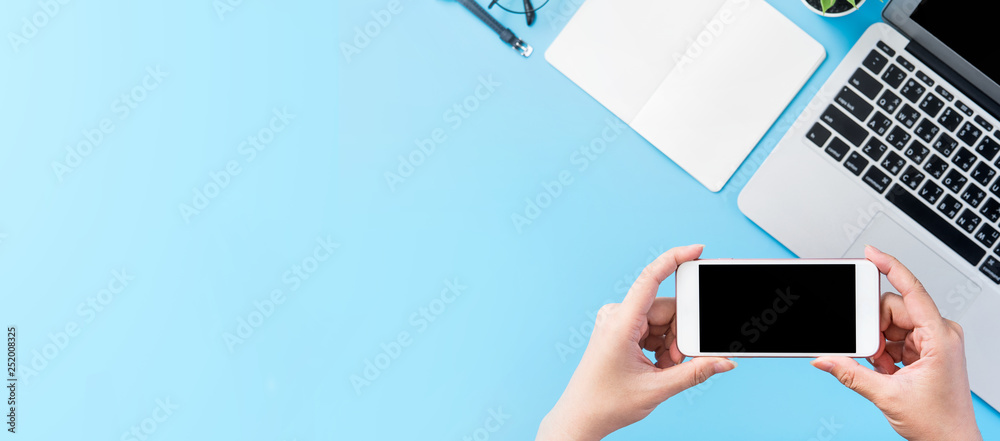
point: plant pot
(839, 9)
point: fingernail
(822, 365)
(873, 248)
(724, 366)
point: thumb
(864, 381)
(691, 373)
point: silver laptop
(901, 150)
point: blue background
(508, 343)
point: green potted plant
(833, 8)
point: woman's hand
(615, 385)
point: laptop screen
(968, 28)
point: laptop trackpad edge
(952, 291)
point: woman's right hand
(928, 398)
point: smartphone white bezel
(867, 300)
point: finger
(911, 352)
(883, 364)
(663, 360)
(640, 297)
(654, 343)
(894, 349)
(894, 322)
(691, 373)
(675, 354)
(860, 379)
(662, 312)
(919, 305)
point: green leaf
(853, 3)
(826, 4)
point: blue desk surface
(218, 222)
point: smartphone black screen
(777, 308)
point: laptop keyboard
(923, 149)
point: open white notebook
(701, 80)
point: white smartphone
(778, 308)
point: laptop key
(968, 221)
(880, 123)
(969, 134)
(908, 116)
(954, 181)
(931, 192)
(932, 105)
(964, 159)
(935, 224)
(936, 167)
(916, 152)
(905, 63)
(874, 149)
(995, 188)
(818, 135)
(854, 104)
(912, 90)
(912, 177)
(945, 94)
(894, 76)
(844, 125)
(897, 138)
(893, 163)
(875, 62)
(877, 180)
(856, 163)
(973, 195)
(964, 108)
(885, 48)
(983, 123)
(991, 268)
(926, 79)
(889, 102)
(868, 86)
(949, 206)
(945, 145)
(837, 149)
(926, 130)
(987, 235)
(983, 173)
(991, 209)
(951, 119)
(988, 148)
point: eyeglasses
(524, 7)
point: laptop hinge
(954, 78)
